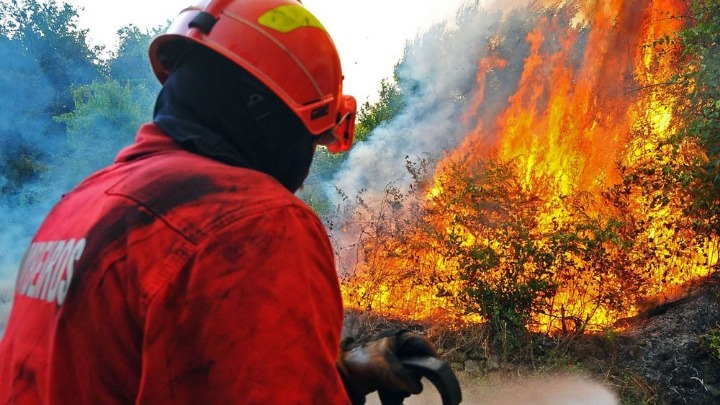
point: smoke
(547, 390)
(541, 390)
(43, 153)
(22, 89)
(6, 300)
(24, 96)
(438, 78)
(434, 74)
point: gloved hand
(375, 365)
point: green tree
(130, 62)
(700, 76)
(49, 33)
(492, 225)
(371, 115)
(325, 164)
(22, 101)
(106, 117)
(45, 55)
(107, 113)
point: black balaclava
(214, 108)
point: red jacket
(172, 278)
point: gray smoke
(438, 79)
(433, 72)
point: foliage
(710, 342)
(85, 109)
(474, 240)
(527, 261)
(49, 33)
(130, 63)
(505, 272)
(105, 119)
(21, 120)
(46, 54)
(699, 76)
(326, 164)
(19, 167)
(389, 104)
(108, 112)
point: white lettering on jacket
(47, 269)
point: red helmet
(284, 46)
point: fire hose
(435, 370)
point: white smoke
(541, 390)
(438, 80)
(434, 70)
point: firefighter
(188, 271)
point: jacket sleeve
(254, 318)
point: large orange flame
(588, 101)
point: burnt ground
(659, 354)
(664, 348)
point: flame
(589, 98)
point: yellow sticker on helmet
(289, 17)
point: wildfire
(535, 200)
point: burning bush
(564, 212)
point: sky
(370, 34)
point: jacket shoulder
(196, 195)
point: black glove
(375, 365)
